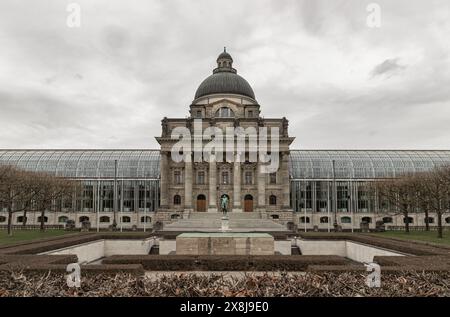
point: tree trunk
(439, 216)
(42, 219)
(10, 214)
(406, 217)
(24, 221)
(427, 225)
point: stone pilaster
(212, 207)
(261, 187)
(188, 182)
(164, 181)
(285, 180)
(237, 185)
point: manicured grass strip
(28, 235)
(423, 236)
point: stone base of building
(321, 220)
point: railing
(416, 228)
(31, 227)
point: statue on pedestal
(224, 204)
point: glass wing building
(324, 184)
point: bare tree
(434, 192)
(15, 191)
(399, 192)
(19, 190)
(47, 190)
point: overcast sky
(340, 83)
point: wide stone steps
(231, 215)
(238, 222)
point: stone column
(187, 182)
(237, 185)
(261, 187)
(164, 181)
(212, 207)
(285, 180)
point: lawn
(425, 236)
(24, 235)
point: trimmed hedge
(133, 269)
(226, 263)
(382, 242)
(44, 245)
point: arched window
(103, 219)
(323, 219)
(408, 220)
(302, 219)
(63, 219)
(366, 219)
(84, 218)
(147, 219)
(447, 220)
(346, 220)
(429, 220)
(45, 219)
(2, 219)
(272, 200)
(177, 200)
(225, 112)
(126, 219)
(387, 220)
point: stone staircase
(238, 222)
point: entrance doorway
(201, 203)
(248, 203)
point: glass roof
(303, 164)
(86, 163)
(359, 164)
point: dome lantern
(224, 80)
(224, 63)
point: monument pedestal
(225, 224)
(225, 243)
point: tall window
(273, 178)
(248, 178)
(201, 178)
(250, 113)
(177, 177)
(272, 200)
(177, 200)
(225, 178)
(198, 114)
(225, 112)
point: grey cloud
(109, 83)
(388, 67)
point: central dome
(225, 80)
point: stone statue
(165, 127)
(224, 204)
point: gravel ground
(194, 284)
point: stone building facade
(224, 101)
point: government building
(145, 189)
